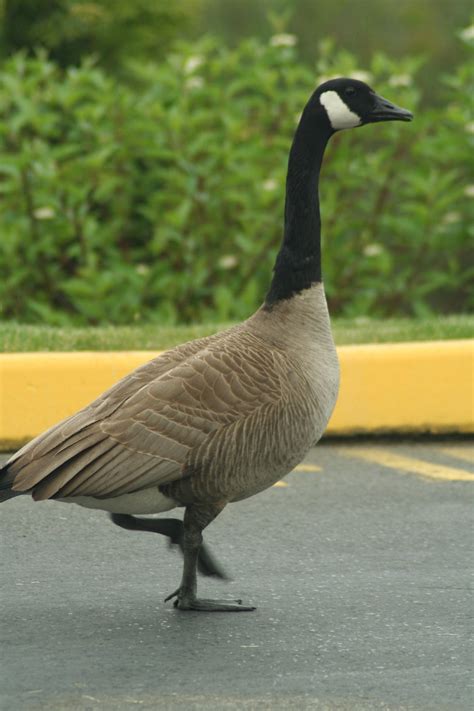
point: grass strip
(16, 338)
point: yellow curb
(407, 387)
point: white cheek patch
(339, 114)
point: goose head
(348, 103)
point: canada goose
(221, 418)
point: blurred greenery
(115, 30)
(401, 27)
(147, 184)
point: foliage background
(147, 183)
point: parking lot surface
(359, 565)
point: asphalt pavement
(359, 566)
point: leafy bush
(163, 200)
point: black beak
(384, 110)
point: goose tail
(6, 481)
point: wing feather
(35, 470)
(143, 432)
(50, 485)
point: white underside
(147, 501)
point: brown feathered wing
(141, 433)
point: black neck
(298, 263)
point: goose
(217, 419)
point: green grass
(16, 337)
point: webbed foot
(187, 601)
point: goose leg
(174, 530)
(196, 518)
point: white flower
(142, 269)
(467, 33)
(283, 40)
(228, 261)
(270, 184)
(372, 250)
(400, 80)
(194, 83)
(361, 75)
(469, 191)
(450, 217)
(193, 63)
(44, 213)
(469, 127)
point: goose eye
(349, 90)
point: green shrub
(163, 199)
